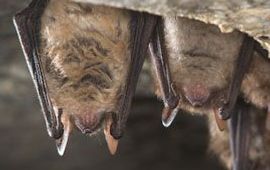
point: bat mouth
(89, 123)
(213, 98)
(196, 94)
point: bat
(199, 69)
(192, 55)
(84, 60)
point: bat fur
(84, 51)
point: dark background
(147, 145)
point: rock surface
(249, 16)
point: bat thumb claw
(61, 143)
(111, 141)
(168, 115)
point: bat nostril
(196, 94)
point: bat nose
(87, 122)
(196, 94)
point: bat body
(196, 54)
(83, 53)
(85, 61)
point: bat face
(84, 61)
(197, 53)
(85, 52)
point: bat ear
(141, 29)
(111, 141)
(61, 143)
(27, 24)
(168, 115)
(221, 124)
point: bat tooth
(61, 143)
(168, 115)
(111, 142)
(221, 124)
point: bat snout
(88, 123)
(197, 94)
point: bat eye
(196, 94)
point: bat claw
(111, 141)
(168, 115)
(61, 143)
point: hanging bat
(189, 59)
(199, 69)
(84, 60)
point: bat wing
(240, 135)
(27, 23)
(242, 64)
(141, 27)
(263, 52)
(159, 59)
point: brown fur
(201, 60)
(84, 52)
(256, 85)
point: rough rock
(249, 16)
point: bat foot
(168, 115)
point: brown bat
(84, 60)
(200, 70)
(190, 56)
